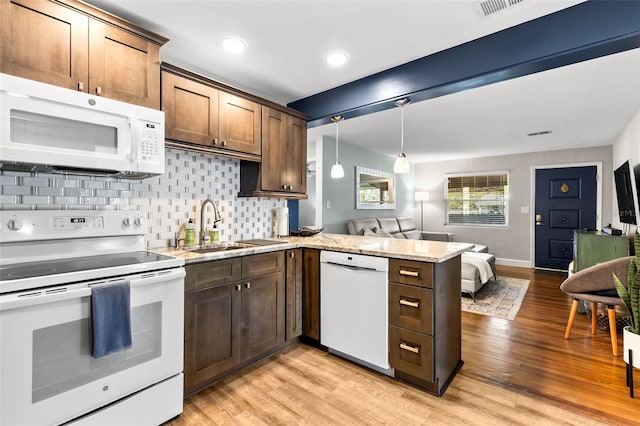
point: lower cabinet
(425, 322)
(234, 314)
(311, 294)
(294, 293)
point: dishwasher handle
(352, 267)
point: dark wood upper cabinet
(80, 48)
(191, 110)
(123, 66)
(282, 172)
(239, 124)
(284, 152)
(203, 115)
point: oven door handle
(40, 297)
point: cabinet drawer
(411, 272)
(411, 352)
(212, 274)
(411, 307)
(261, 264)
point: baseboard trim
(514, 262)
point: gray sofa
(402, 227)
(405, 227)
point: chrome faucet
(216, 217)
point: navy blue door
(565, 200)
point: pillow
(368, 232)
(381, 233)
(413, 235)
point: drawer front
(212, 274)
(411, 352)
(411, 272)
(262, 264)
(411, 307)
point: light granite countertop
(421, 250)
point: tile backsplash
(168, 200)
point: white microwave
(45, 128)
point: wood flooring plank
(520, 372)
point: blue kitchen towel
(111, 318)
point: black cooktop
(78, 264)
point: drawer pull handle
(409, 348)
(409, 303)
(409, 273)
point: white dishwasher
(354, 308)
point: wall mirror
(375, 189)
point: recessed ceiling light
(336, 58)
(234, 44)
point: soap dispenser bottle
(215, 234)
(189, 233)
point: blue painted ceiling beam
(585, 31)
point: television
(626, 193)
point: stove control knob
(126, 223)
(14, 224)
(137, 222)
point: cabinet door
(274, 133)
(212, 274)
(239, 124)
(212, 334)
(191, 110)
(411, 352)
(123, 66)
(311, 294)
(44, 41)
(262, 314)
(296, 155)
(411, 307)
(262, 264)
(294, 293)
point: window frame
(506, 198)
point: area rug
(501, 298)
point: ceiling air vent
(489, 7)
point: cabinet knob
(98, 90)
(80, 85)
(292, 255)
(215, 141)
(224, 143)
(238, 287)
(247, 284)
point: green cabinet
(592, 247)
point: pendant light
(402, 163)
(337, 172)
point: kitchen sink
(219, 247)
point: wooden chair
(595, 285)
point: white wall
(340, 194)
(510, 245)
(625, 147)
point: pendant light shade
(337, 172)
(402, 162)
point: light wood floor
(515, 372)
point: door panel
(44, 41)
(565, 200)
(263, 314)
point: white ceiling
(586, 104)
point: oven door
(48, 373)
